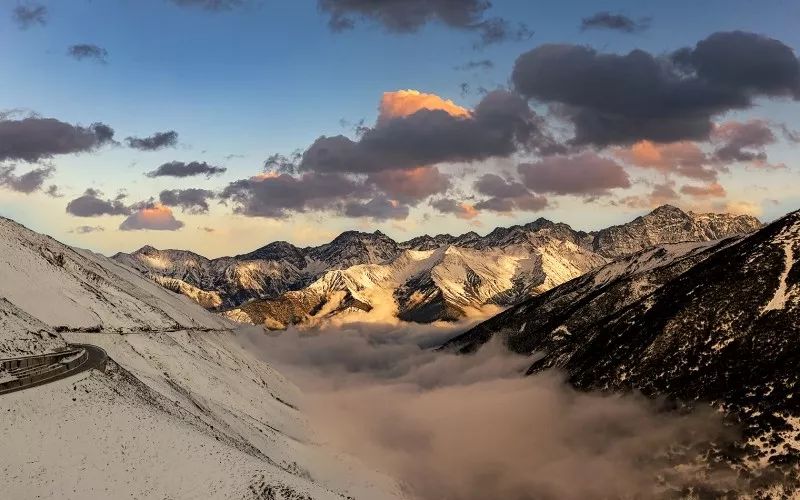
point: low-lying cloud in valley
(473, 427)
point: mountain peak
(667, 209)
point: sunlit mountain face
(319, 249)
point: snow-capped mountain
(182, 410)
(425, 279)
(706, 322)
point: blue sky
(271, 77)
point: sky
(221, 125)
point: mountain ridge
(492, 271)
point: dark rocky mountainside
(713, 322)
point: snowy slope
(77, 289)
(178, 415)
(24, 335)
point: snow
(787, 239)
(65, 287)
(24, 335)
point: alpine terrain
(425, 279)
(713, 322)
(180, 410)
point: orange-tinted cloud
(462, 210)
(152, 216)
(407, 102)
(714, 190)
(682, 158)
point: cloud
(500, 125)
(277, 195)
(615, 22)
(402, 103)
(409, 16)
(192, 200)
(153, 217)
(714, 190)
(157, 141)
(87, 229)
(660, 195)
(473, 428)
(623, 99)
(682, 158)
(88, 51)
(29, 15)
(207, 229)
(90, 204)
(743, 141)
(482, 64)
(33, 139)
(506, 195)
(181, 169)
(410, 186)
(26, 183)
(586, 174)
(212, 5)
(461, 210)
(380, 208)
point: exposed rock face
(668, 224)
(428, 278)
(713, 322)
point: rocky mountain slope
(710, 322)
(425, 279)
(182, 410)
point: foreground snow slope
(178, 415)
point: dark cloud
(743, 141)
(26, 183)
(616, 22)
(181, 169)
(620, 99)
(500, 125)
(483, 64)
(33, 139)
(283, 164)
(157, 141)
(87, 229)
(460, 209)
(506, 195)
(191, 200)
(88, 51)
(277, 195)
(53, 191)
(30, 14)
(408, 16)
(411, 185)
(91, 204)
(151, 216)
(586, 174)
(380, 208)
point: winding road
(96, 359)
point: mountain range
(425, 279)
(710, 322)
